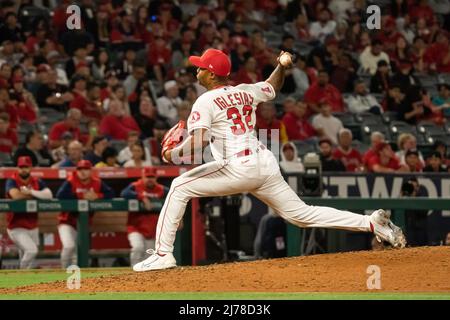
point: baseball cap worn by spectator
(214, 60)
(169, 85)
(24, 161)
(149, 172)
(84, 164)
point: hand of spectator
(147, 204)
(418, 111)
(67, 96)
(25, 190)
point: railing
(294, 234)
(81, 206)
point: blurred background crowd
(366, 100)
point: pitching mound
(425, 269)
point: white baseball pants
(258, 174)
(68, 236)
(139, 244)
(27, 240)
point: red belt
(244, 153)
(248, 152)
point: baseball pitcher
(224, 116)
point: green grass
(16, 278)
(229, 296)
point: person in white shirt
(290, 161)
(319, 30)
(167, 105)
(138, 157)
(125, 154)
(340, 9)
(371, 55)
(327, 122)
(361, 101)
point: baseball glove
(173, 137)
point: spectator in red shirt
(389, 34)
(116, 124)
(385, 160)
(350, 157)
(70, 124)
(297, 125)
(421, 10)
(438, 54)
(26, 106)
(90, 106)
(248, 73)
(8, 136)
(266, 119)
(375, 139)
(159, 56)
(323, 90)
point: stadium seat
(25, 127)
(429, 129)
(367, 129)
(427, 80)
(447, 127)
(361, 147)
(118, 144)
(303, 147)
(389, 116)
(399, 127)
(368, 118)
(5, 159)
(349, 122)
(440, 137)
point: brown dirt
(425, 269)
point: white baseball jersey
(229, 113)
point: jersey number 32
(239, 126)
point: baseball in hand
(285, 60)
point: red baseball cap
(24, 161)
(213, 60)
(84, 164)
(149, 172)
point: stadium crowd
(109, 91)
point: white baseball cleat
(384, 229)
(156, 262)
